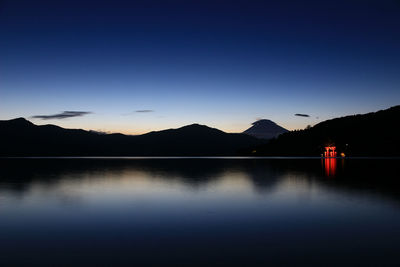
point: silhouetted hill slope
(265, 129)
(20, 137)
(371, 134)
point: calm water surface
(202, 212)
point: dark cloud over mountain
(62, 115)
(301, 115)
(144, 110)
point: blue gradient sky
(223, 64)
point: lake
(199, 211)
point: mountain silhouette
(265, 129)
(20, 137)
(371, 134)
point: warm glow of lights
(330, 151)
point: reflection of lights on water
(329, 166)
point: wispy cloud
(301, 115)
(62, 115)
(144, 110)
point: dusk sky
(139, 66)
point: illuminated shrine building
(330, 151)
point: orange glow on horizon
(138, 128)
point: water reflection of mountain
(17, 174)
(366, 176)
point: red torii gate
(330, 151)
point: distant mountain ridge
(371, 134)
(265, 129)
(20, 137)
